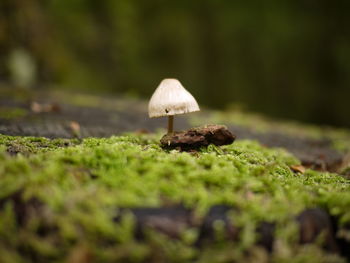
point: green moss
(82, 184)
(16, 94)
(340, 138)
(12, 113)
(31, 145)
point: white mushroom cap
(171, 98)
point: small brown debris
(298, 168)
(35, 107)
(75, 128)
(142, 131)
(47, 107)
(197, 137)
(80, 254)
(55, 107)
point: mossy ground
(260, 123)
(81, 184)
(11, 113)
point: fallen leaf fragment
(298, 168)
(35, 107)
(142, 131)
(75, 128)
(47, 107)
(80, 254)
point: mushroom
(169, 99)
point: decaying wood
(195, 138)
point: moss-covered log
(60, 200)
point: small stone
(198, 137)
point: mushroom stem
(170, 123)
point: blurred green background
(288, 59)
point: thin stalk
(170, 124)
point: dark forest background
(287, 59)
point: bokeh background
(287, 59)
